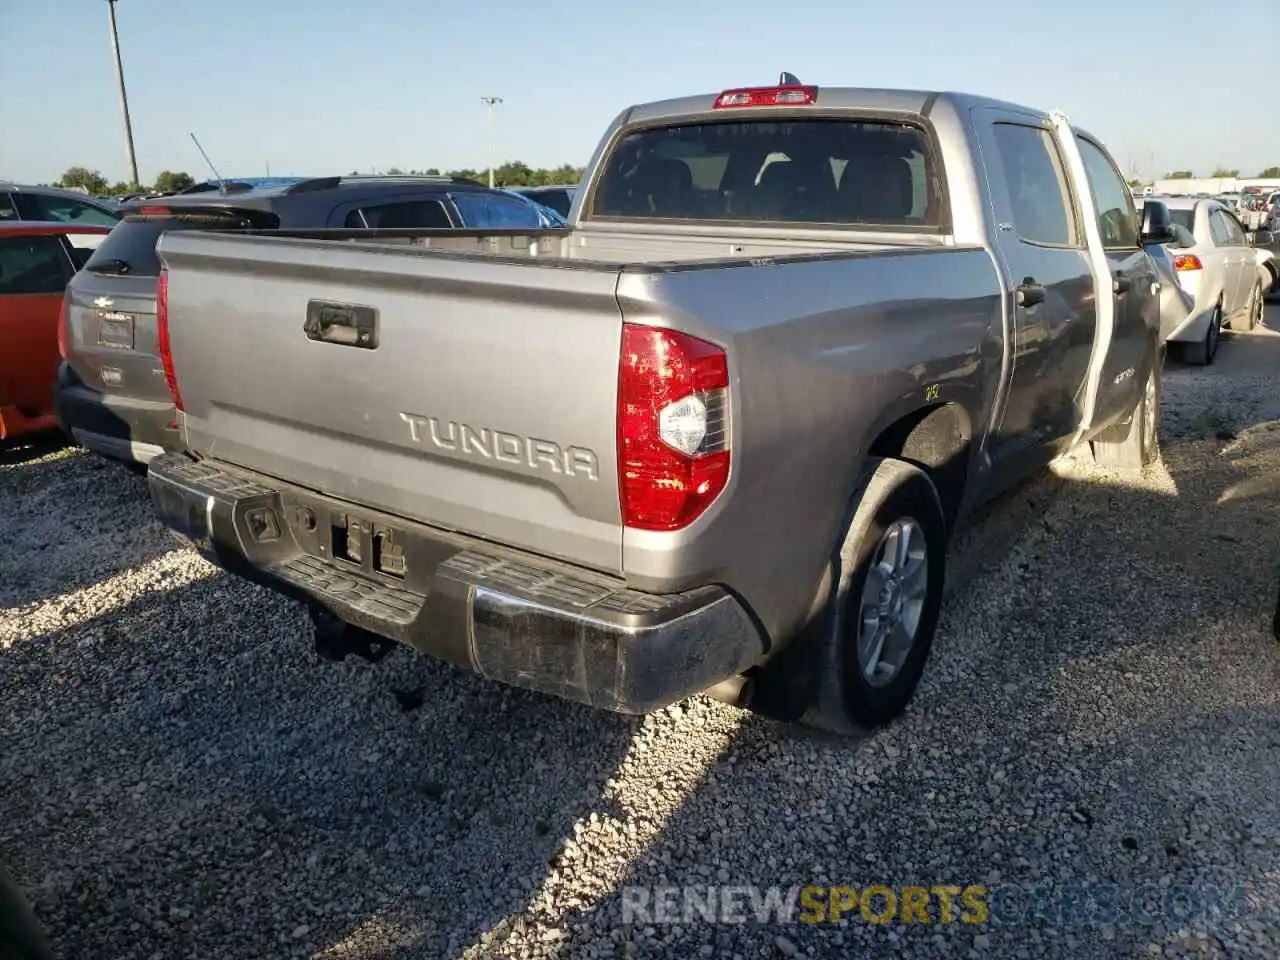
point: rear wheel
(1202, 353)
(873, 640)
(1252, 316)
(1134, 444)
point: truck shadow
(25, 449)
(460, 817)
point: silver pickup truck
(713, 436)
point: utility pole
(124, 98)
(491, 102)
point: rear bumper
(123, 428)
(506, 616)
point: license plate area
(116, 330)
(367, 543)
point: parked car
(36, 262)
(1176, 305)
(717, 433)
(111, 396)
(54, 205)
(1267, 245)
(1218, 267)
(558, 197)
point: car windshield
(131, 247)
(873, 172)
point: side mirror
(1157, 225)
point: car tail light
(673, 427)
(163, 347)
(1187, 261)
(62, 329)
(787, 96)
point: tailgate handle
(342, 324)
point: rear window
(878, 173)
(131, 247)
(1184, 218)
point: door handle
(1028, 293)
(1121, 283)
(343, 324)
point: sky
(315, 88)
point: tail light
(1187, 261)
(62, 329)
(673, 427)
(163, 346)
(787, 96)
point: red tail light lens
(1187, 261)
(162, 337)
(673, 427)
(62, 329)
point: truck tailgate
(474, 395)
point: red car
(36, 261)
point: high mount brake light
(788, 96)
(673, 427)
(152, 211)
(1187, 261)
(163, 346)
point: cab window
(1112, 201)
(66, 210)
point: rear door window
(131, 247)
(7, 210)
(33, 265)
(1218, 227)
(1036, 184)
(874, 172)
(489, 211)
(402, 215)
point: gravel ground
(182, 778)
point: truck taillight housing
(673, 427)
(62, 329)
(163, 346)
(1187, 261)
(785, 96)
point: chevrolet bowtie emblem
(103, 302)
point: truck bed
(487, 404)
(609, 248)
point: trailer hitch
(336, 639)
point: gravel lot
(182, 778)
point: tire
(853, 692)
(1203, 353)
(20, 935)
(1252, 315)
(1135, 443)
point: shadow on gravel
(72, 519)
(177, 784)
(25, 449)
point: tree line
(1221, 173)
(511, 174)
